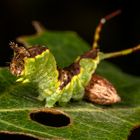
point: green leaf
(87, 121)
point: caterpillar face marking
(17, 63)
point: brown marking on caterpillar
(17, 63)
(64, 77)
(101, 91)
(91, 54)
(66, 74)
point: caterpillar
(37, 65)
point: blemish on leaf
(51, 117)
(135, 133)
(15, 136)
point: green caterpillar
(37, 65)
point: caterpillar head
(20, 53)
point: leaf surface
(87, 121)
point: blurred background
(82, 17)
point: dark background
(81, 16)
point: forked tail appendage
(120, 53)
(100, 26)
